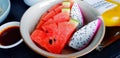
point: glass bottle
(110, 12)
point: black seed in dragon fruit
(77, 14)
(82, 37)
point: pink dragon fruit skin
(77, 14)
(84, 36)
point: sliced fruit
(55, 28)
(58, 9)
(66, 29)
(49, 15)
(38, 36)
(54, 37)
(85, 35)
(61, 17)
(50, 28)
(45, 41)
(40, 24)
(49, 21)
(77, 14)
(51, 41)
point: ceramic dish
(5, 9)
(5, 27)
(31, 18)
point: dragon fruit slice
(84, 36)
(76, 14)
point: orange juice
(109, 11)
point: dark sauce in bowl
(10, 36)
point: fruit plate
(23, 51)
(31, 17)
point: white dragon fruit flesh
(84, 36)
(77, 14)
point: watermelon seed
(54, 39)
(46, 31)
(50, 41)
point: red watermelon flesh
(41, 38)
(53, 12)
(65, 30)
(51, 28)
(50, 21)
(56, 37)
(61, 17)
(38, 35)
(54, 30)
(54, 7)
(58, 9)
(44, 18)
(48, 16)
(40, 24)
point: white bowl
(31, 18)
(5, 26)
(5, 6)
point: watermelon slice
(50, 28)
(65, 30)
(55, 13)
(40, 24)
(37, 35)
(49, 15)
(50, 21)
(61, 17)
(45, 17)
(55, 28)
(58, 9)
(56, 37)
